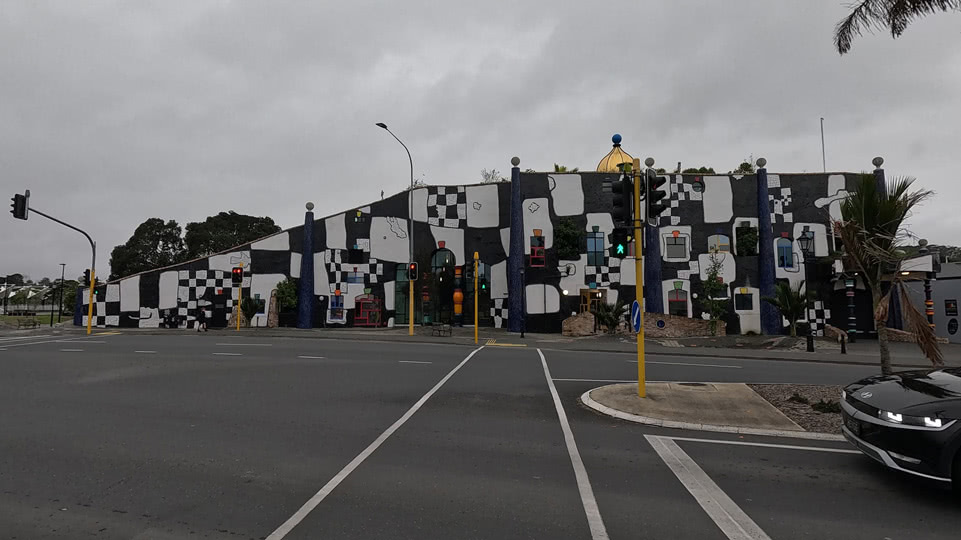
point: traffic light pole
(93, 263)
(240, 296)
(476, 294)
(639, 274)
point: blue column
(879, 180)
(770, 318)
(515, 259)
(78, 311)
(305, 288)
(653, 297)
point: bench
(28, 323)
(441, 330)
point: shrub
(798, 398)
(827, 406)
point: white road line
(25, 337)
(769, 445)
(687, 364)
(597, 380)
(246, 344)
(727, 515)
(313, 357)
(146, 352)
(594, 520)
(227, 354)
(82, 341)
(36, 343)
(413, 362)
(332, 484)
(71, 350)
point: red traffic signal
(412, 271)
(237, 275)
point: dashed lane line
(71, 350)
(319, 497)
(146, 352)
(692, 364)
(246, 344)
(413, 362)
(313, 357)
(591, 510)
(227, 354)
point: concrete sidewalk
(864, 352)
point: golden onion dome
(613, 160)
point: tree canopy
(154, 244)
(224, 231)
(698, 170)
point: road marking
(227, 354)
(246, 344)
(36, 343)
(107, 333)
(413, 362)
(727, 515)
(593, 513)
(313, 357)
(81, 341)
(25, 337)
(597, 380)
(491, 341)
(71, 350)
(332, 484)
(508, 344)
(687, 364)
(146, 352)
(769, 445)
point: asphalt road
(214, 436)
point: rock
(581, 324)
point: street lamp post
(806, 243)
(410, 230)
(63, 269)
(928, 277)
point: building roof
(612, 161)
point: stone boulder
(581, 324)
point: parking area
(211, 436)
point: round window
(698, 185)
(953, 326)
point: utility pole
(639, 270)
(476, 295)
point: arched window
(719, 242)
(677, 302)
(785, 253)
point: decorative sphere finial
(878, 161)
(515, 161)
(616, 139)
(761, 162)
(310, 206)
(649, 162)
(922, 242)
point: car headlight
(844, 395)
(923, 421)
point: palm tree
(610, 315)
(892, 15)
(789, 302)
(872, 231)
(564, 169)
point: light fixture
(565, 292)
(897, 418)
(932, 422)
(904, 272)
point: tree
(154, 244)
(871, 231)
(14, 279)
(564, 169)
(250, 307)
(746, 167)
(891, 15)
(610, 315)
(568, 239)
(287, 294)
(712, 288)
(789, 302)
(699, 170)
(224, 231)
(491, 176)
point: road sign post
(636, 316)
(639, 276)
(476, 294)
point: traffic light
(21, 205)
(412, 271)
(653, 194)
(620, 242)
(237, 275)
(623, 208)
(86, 277)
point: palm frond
(918, 325)
(863, 16)
(895, 15)
(901, 13)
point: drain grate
(692, 384)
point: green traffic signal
(620, 249)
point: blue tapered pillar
(78, 311)
(515, 259)
(305, 288)
(770, 318)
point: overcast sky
(115, 112)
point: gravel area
(802, 413)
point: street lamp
(806, 243)
(410, 228)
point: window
(401, 290)
(746, 236)
(676, 249)
(677, 302)
(355, 277)
(595, 249)
(537, 259)
(951, 308)
(785, 253)
(336, 308)
(591, 298)
(719, 242)
(743, 302)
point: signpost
(476, 294)
(639, 275)
(636, 316)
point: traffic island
(727, 407)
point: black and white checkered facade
(338, 270)
(447, 206)
(819, 316)
(678, 191)
(196, 290)
(499, 312)
(106, 306)
(604, 275)
(780, 199)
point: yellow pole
(240, 295)
(93, 281)
(410, 314)
(639, 275)
(476, 294)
